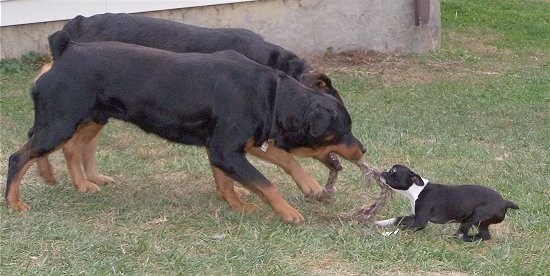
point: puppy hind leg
(463, 230)
(483, 231)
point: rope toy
(368, 212)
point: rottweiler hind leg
(283, 159)
(89, 158)
(42, 142)
(74, 151)
(19, 163)
(45, 170)
(229, 193)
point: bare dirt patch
(391, 69)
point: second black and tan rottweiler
(224, 104)
(183, 38)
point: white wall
(306, 27)
(17, 12)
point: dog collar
(264, 146)
(273, 115)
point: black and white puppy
(469, 205)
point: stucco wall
(306, 27)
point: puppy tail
(58, 42)
(511, 205)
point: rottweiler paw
(292, 216)
(241, 192)
(101, 180)
(87, 187)
(19, 205)
(324, 196)
(49, 179)
(249, 208)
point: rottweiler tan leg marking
(45, 171)
(90, 165)
(271, 196)
(87, 151)
(73, 151)
(286, 161)
(20, 162)
(230, 193)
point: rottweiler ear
(320, 84)
(316, 81)
(318, 123)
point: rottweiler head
(314, 125)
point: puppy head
(320, 83)
(401, 178)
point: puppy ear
(319, 121)
(418, 180)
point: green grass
(474, 111)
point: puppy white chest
(413, 192)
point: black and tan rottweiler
(182, 38)
(224, 104)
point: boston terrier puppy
(469, 205)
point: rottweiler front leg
(231, 194)
(235, 166)
(309, 186)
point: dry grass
(474, 111)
